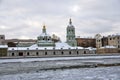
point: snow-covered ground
(52, 68)
(107, 73)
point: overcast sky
(24, 19)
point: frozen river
(100, 73)
(61, 68)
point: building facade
(98, 41)
(86, 42)
(111, 40)
(71, 34)
(114, 40)
(2, 39)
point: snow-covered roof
(91, 48)
(58, 45)
(3, 46)
(108, 47)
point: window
(84, 52)
(37, 53)
(12, 54)
(1, 37)
(62, 52)
(54, 53)
(118, 37)
(77, 52)
(28, 53)
(70, 53)
(110, 39)
(45, 53)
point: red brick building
(86, 42)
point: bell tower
(71, 34)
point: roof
(3, 46)
(108, 47)
(58, 46)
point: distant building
(111, 40)
(114, 40)
(71, 34)
(3, 50)
(2, 39)
(86, 42)
(98, 38)
(55, 38)
(20, 42)
(109, 44)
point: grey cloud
(92, 17)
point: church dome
(44, 39)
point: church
(46, 47)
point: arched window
(84, 52)
(45, 53)
(77, 52)
(62, 52)
(37, 53)
(28, 53)
(12, 54)
(69, 52)
(54, 53)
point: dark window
(62, 52)
(54, 53)
(28, 53)
(118, 37)
(110, 38)
(12, 54)
(77, 52)
(84, 52)
(20, 53)
(37, 53)
(70, 52)
(45, 53)
(1, 37)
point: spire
(44, 29)
(70, 21)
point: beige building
(111, 40)
(98, 38)
(114, 40)
(109, 44)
